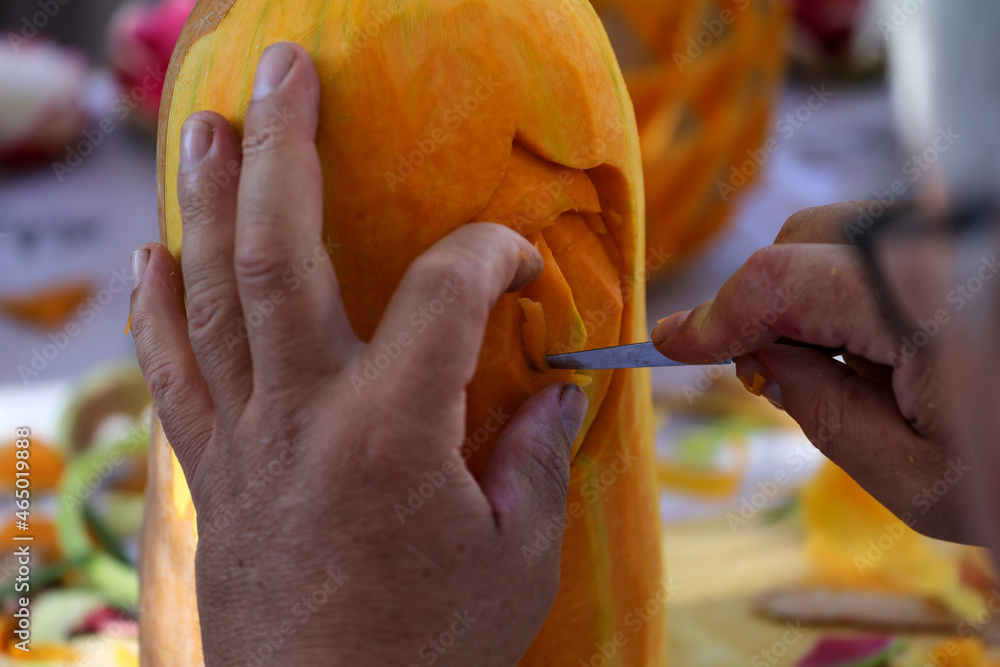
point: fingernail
(274, 65)
(196, 139)
(140, 259)
(573, 405)
(772, 392)
(757, 379)
(667, 326)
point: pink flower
(141, 40)
(830, 22)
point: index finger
(814, 293)
(451, 288)
(841, 223)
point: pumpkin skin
(435, 114)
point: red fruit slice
(867, 651)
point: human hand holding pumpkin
(882, 416)
(317, 566)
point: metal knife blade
(644, 355)
(637, 355)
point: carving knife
(637, 355)
(644, 355)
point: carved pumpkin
(703, 76)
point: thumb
(527, 476)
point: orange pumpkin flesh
(434, 115)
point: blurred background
(749, 110)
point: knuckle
(162, 378)
(824, 420)
(850, 211)
(208, 312)
(823, 224)
(437, 268)
(195, 200)
(434, 266)
(145, 322)
(258, 143)
(467, 268)
(795, 225)
(549, 465)
(265, 132)
(766, 267)
(259, 260)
